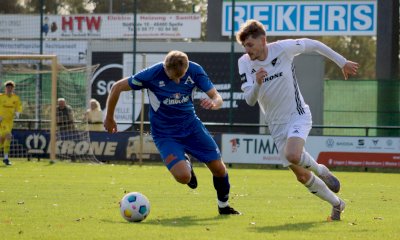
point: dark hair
(9, 83)
(251, 28)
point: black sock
(221, 184)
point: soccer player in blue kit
(174, 125)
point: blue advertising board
(106, 147)
(300, 18)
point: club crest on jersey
(189, 80)
(276, 62)
(161, 84)
(176, 96)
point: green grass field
(80, 201)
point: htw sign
(79, 23)
(101, 26)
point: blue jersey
(172, 111)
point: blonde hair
(98, 107)
(176, 62)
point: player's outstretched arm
(214, 102)
(350, 68)
(118, 87)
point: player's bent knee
(183, 178)
(181, 172)
(293, 158)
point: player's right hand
(260, 75)
(350, 68)
(110, 125)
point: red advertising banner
(359, 159)
(328, 150)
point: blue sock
(221, 184)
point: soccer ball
(134, 207)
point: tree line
(358, 48)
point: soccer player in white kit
(268, 77)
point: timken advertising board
(331, 151)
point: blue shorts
(198, 143)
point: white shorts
(298, 126)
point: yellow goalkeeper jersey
(8, 106)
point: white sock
(316, 186)
(222, 204)
(5, 156)
(308, 162)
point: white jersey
(279, 95)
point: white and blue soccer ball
(134, 207)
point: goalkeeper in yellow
(10, 106)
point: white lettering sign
(299, 18)
(68, 52)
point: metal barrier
(236, 128)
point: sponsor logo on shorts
(170, 158)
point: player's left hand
(17, 115)
(207, 103)
(350, 68)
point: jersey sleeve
(248, 85)
(246, 79)
(319, 47)
(137, 81)
(202, 80)
(292, 47)
(140, 79)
